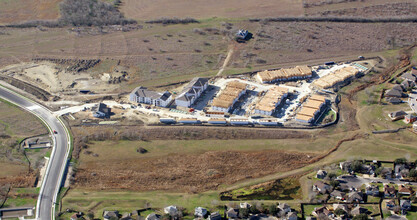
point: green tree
(243, 212)
(362, 216)
(339, 212)
(273, 210)
(334, 183)
(332, 175)
(254, 210)
(90, 215)
(412, 173)
(378, 171)
(400, 161)
(356, 166)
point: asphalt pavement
(58, 161)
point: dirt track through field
(226, 61)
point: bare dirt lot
(151, 9)
(14, 11)
(185, 172)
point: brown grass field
(157, 54)
(12, 129)
(15, 11)
(153, 9)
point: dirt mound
(186, 172)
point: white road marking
(33, 107)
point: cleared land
(150, 9)
(199, 166)
(15, 11)
(158, 55)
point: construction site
(300, 96)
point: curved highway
(51, 184)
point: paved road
(53, 176)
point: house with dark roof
(214, 216)
(337, 194)
(110, 214)
(191, 92)
(101, 111)
(409, 118)
(232, 213)
(372, 190)
(393, 100)
(405, 204)
(394, 93)
(322, 211)
(153, 216)
(407, 85)
(146, 96)
(355, 197)
(284, 207)
(321, 187)
(321, 174)
(389, 191)
(359, 210)
(397, 115)
(200, 212)
(409, 77)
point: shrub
(90, 13)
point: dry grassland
(15, 11)
(14, 166)
(152, 9)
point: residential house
(345, 166)
(372, 190)
(405, 205)
(386, 173)
(101, 111)
(395, 217)
(228, 96)
(415, 126)
(393, 100)
(398, 88)
(311, 218)
(337, 194)
(359, 210)
(153, 216)
(76, 216)
(343, 207)
(171, 210)
(409, 77)
(292, 216)
(397, 115)
(407, 85)
(284, 207)
(390, 204)
(404, 190)
(321, 187)
(322, 211)
(410, 118)
(394, 93)
(232, 213)
(200, 212)
(321, 174)
(355, 197)
(389, 191)
(110, 214)
(191, 92)
(146, 96)
(214, 216)
(242, 34)
(244, 205)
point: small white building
(415, 126)
(143, 95)
(217, 121)
(191, 92)
(239, 121)
(245, 205)
(167, 120)
(189, 121)
(171, 210)
(268, 122)
(200, 212)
